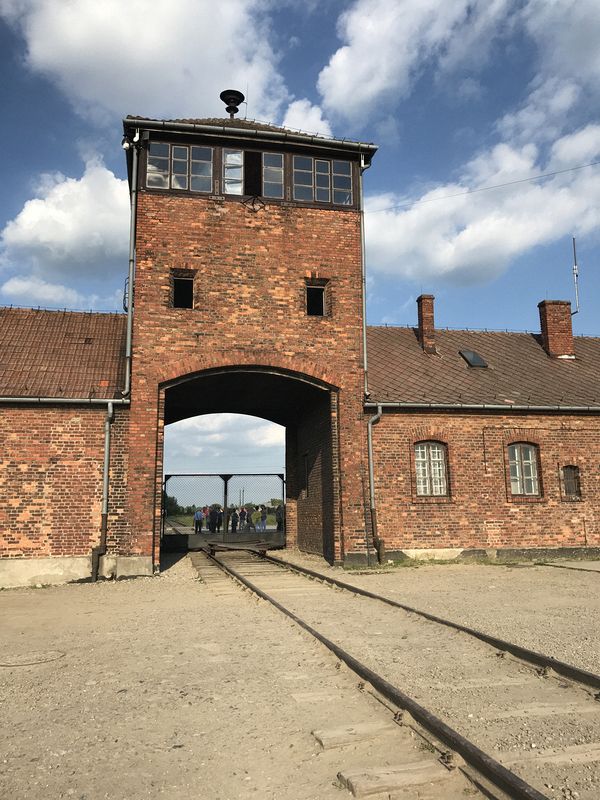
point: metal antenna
(575, 279)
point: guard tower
(248, 298)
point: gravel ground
(175, 687)
(505, 707)
(553, 611)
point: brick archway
(306, 404)
(297, 366)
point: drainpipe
(131, 272)
(364, 166)
(100, 550)
(379, 544)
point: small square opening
(315, 301)
(183, 292)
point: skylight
(472, 358)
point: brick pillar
(556, 327)
(426, 323)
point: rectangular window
(179, 167)
(158, 166)
(183, 292)
(272, 175)
(201, 169)
(523, 466)
(233, 171)
(342, 183)
(571, 482)
(430, 469)
(315, 301)
(322, 181)
(303, 178)
(249, 173)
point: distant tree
(172, 506)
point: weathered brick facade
(480, 512)
(249, 343)
(51, 480)
(250, 272)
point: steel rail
(531, 656)
(503, 778)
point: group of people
(242, 519)
(213, 517)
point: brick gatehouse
(246, 269)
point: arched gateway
(248, 262)
(307, 407)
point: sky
(459, 95)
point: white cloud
(167, 58)
(544, 113)
(303, 115)
(581, 147)
(386, 45)
(567, 33)
(473, 237)
(72, 227)
(224, 442)
(30, 291)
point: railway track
(532, 730)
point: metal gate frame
(225, 477)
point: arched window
(430, 467)
(571, 484)
(523, 464)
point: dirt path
(554, 611)
(175, 688)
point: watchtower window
(303, 178)
(158, 165)
(179, 167)
(342, 183)
(183, 292)
(201, 172)
(273, 175)
(315, 301)
(315, 179)
(241, 173)
(233, 171)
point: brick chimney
(557, 330)
(426, 325)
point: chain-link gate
(226, 508)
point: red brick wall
(51, 480)
(314, 467)
(480, 511)
(250, 270)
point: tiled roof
(81, 355)
(61, 353)
(239, 124)
(226, 122)
(519, 372)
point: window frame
(174, 156)
(516, 471)
(331, 165)
(324, 285)
(177, 275)
(329, 186)
(429, 477)
(577, 495)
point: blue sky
(459, 95)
